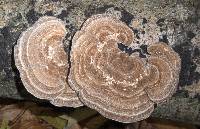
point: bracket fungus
(43, 64)
(120, 86)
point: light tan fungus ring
(43, 63)
(121, 87)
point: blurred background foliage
(30, 115)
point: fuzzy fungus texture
(123, 87)
(43, 63)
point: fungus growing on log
(43, 63)
(123, 87)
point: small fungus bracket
(43, 64)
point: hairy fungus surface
(123, 87)
(43, 63)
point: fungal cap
(121, 87)
(42, 62)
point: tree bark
(178, 24)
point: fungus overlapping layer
(121, 87)
(43, 63)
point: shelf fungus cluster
(43, 63)
(118, 85)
